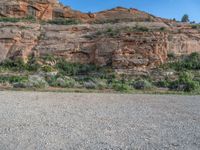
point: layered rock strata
(124, 46)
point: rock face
(124, 46)
(40, 9)
(17, 39)
(51, 9)
(127, 39)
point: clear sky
(162, 8)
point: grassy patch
(64, 21)
(14, 20)
(13, 79)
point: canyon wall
(126, 39)
(124, 46)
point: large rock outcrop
(52, 9)
(17, 39)
(23, 8)
(127, 39)
(124, 46)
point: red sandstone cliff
(127, 39)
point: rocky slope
(127, 39)
(51, 9)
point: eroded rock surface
(127, 39)
(121, 45)
(18, 39)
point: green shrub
(37, 81)
(139, 28)
(33, 65)
(171, 55)
(101, 84)
(143, 29)
(52, 81)
(64, 82)
(111, 21)
(64, 21)
(15, 65)
(162, 29)
(163, 84)
(142, 84)
(9, 19)
(90, 85)
(185, 83)
(47, 68)
(121, 87)
(13, 79)
(28, 18)
(195, 26)
(18, 64)
(111, 32)
(49, 57)
(70, 69)
(191, 62)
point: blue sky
(162, 8)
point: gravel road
(67, 121)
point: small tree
(185, 18)
(174, 19)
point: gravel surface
(67, 121)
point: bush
(139, 28)
(185, 83)
(162, 29)
(196, 26)
(163, 84)
(47, 68)
(171, 55)
(101, 84)
(37, 82)
(90, 85)
(20, 85)
(111, 21)
(13, 79)
(28, 18)
(112, 33)
(18, 64)
(121, 87)
(15, 65)
(70, 69)
(66, 83)
(142, 84)
(143, 29)
(33, 65)
(64, 21)
(191, 62)
(9, 19)
(49, 57)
